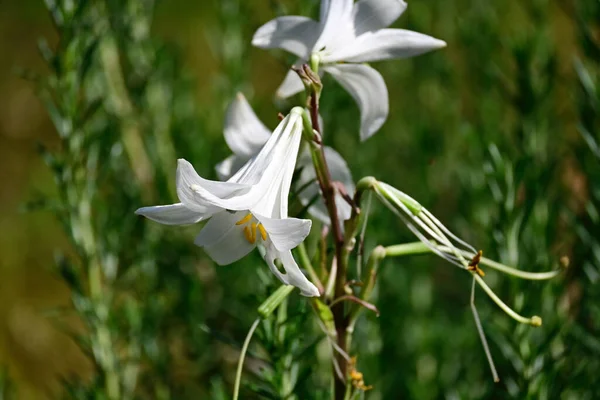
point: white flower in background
(245, 134)
(347, 35)
(248, 210)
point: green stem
(240, 367)
(406, 249)
(274, 300)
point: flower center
(252, 229)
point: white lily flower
(348, 34)
(248, 210)
(245, 134)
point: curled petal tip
(372, 128)
(311, 292)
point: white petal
(339, 172)
(173, 214)
(266, 173)
(339, 169)
(188, 183)
(337, 25)
(291, 33)
(371, 15)
(222, 239)
(368, 90)
(218, 227)
(287, 233)
(292, 275)
(386, 44)
(323, 10)
(291, 85)
(245, 134)
(229, 166)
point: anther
(474, 264)
(253, 231)
(247, 218)
(248, 234)
(263, 232)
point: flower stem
(240, 367)
(274, 300)
(328, 191)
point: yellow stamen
(253, 230)
(247, 218)
(263, 232)
(248, 235)
(355, 375)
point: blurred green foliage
(497, 135)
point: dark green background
(489, 134)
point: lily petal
(371, 15)
(244, 133)
(336, 22)
(291, 85)
(172, 214)
(286, 233)
(368, 90)
(188, 179)
(386, 44)
(229, 166)
(222, 239)
(265, 173)
(294, 34)
(292, 275)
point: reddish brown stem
(328, 190)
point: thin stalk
(533, 276)
(415, 248)
(406, 249)
(484, 342)
(535, 320)
(240, 367)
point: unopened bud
(536, 321)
